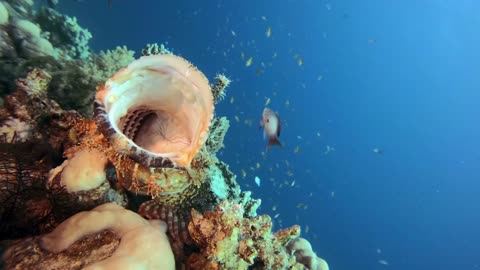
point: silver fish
(270, 123)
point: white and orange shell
(157, 110)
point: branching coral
(218, 89)
(218, 129)
(64, 32)
(152, 49)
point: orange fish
(271, 127)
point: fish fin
(273, 141)
(279, 125)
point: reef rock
(228, 240)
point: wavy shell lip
(158, 110)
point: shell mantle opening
(161, 106)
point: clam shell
(157, 111)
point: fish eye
(268, 120)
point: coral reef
(56, 43)
(228, 240)
(69, 39)
(151, 151)
(208, 217)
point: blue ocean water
(347, 78)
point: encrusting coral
(228, 240)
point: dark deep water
(399, 76)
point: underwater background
(379, 102)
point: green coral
(74, 82)
(153, 49)
(66, 35)
(218, 89)
(218, 129)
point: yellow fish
(300, 61)
(249, 61)
(267, 102)
(269, 32)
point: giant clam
(157, 110)
(156, 114)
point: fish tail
(273, 141)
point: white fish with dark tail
(270, 123)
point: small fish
(270, 123)
(384, 262)
(377, 151)
(257, 180)
(249, 61)
(300, 61)
(267, 101)
(269, 32)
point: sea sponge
(107, 237)
(81, 183)
(85, 171)
(302, 249)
